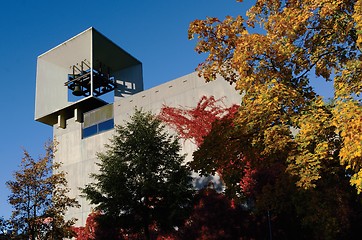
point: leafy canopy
(263, 185)
(298, 40)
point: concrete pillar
(61, 121)
(78, 116)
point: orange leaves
(263, 8)
(276, 139)
(357, 17)
(218, 38)
(348, 120)
(270, 103)
(299, 39)
(314, 145)
(356, 180)
(348, 83)
(330, 7)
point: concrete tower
(72, 77)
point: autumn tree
(267, 189)
(273, 66)
(141, 181)
(288, 135)
(39, 198)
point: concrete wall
(79, 155)
(53, 68)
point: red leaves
(195, 123)
(214, 217)
(89, 231)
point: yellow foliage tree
(272, 65)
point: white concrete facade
(78, 153)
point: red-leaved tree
(212, 121)
(215, 217)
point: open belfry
(87, 85)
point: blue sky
(155, 32)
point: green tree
(142, 181)
(39, 198)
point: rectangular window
(98, 121)
(89, 131)
(98, 128)
(106, 125)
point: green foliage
(38, 196)
(141, 179)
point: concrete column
(78, 116)
(61, 121)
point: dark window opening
(98, 128)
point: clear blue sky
(155, 32)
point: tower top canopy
(90, 55)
